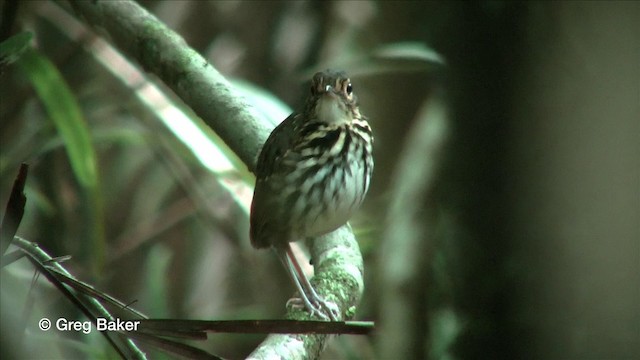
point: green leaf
(12, 48)
(409, 51)
(63, 110)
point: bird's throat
(331, 110)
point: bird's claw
(326, 310)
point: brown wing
(262, 228)
(277, 143)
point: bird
(312, 174)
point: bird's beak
(329, 90)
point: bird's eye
(349, 89)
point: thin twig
(88, 305)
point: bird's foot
(326, 310)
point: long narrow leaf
(63, 110)
(65, 113)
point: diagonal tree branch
(162, 52)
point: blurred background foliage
(530, 240)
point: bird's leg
(308, 296)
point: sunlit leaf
(393, 58)
(415, 51)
